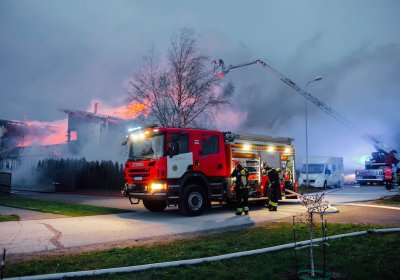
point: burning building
(19, 140)
(89, 135)
(84, 134)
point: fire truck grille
(144, 170)
(138, 175)
(369, 177)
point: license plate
(137, 178)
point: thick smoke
(362, 87)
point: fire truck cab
(191, 168)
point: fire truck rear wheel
(155, 205)
(193, 201)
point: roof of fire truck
(238, 137)
(245, 137)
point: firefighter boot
(273, 208)
(246, 210)
(239, 211)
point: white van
(322, 172)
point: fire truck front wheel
(155, 205)
(193, 201)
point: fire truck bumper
(370, 180)
(145, 193)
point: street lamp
(318, 78)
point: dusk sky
(69, 54)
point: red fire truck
(378, 169)
(191, 168)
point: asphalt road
(37, 235)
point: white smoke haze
(111, 151)
(228, 120)
(25, 175)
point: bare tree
(315, 204)
(182, 93)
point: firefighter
(242, 193)
(265, 168)
(274, 189)
(280, 180)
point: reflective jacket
(241, 176)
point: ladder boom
(377, 144)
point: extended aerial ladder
(220, 70)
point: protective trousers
(242, 196)
(274, 190)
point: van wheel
(155, 205)
(193, 201)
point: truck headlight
(158, 187)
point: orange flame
(133, 110)
(53, 133)
(126, 112)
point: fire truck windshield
(147, 148)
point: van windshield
(313, 168)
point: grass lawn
(61, 208)
(7, 218)
(349, 258)
(393, 200)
